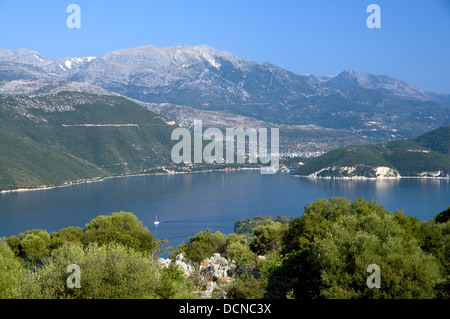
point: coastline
(370, 178)
(101, 179)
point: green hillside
(45, 140)
(426, 153)
(437, 140)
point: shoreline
(102, 179)
(370, 178)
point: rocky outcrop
(217, 268)
(367, 171)
(385, 172)
(357, 171)
(180, 261)
(435, 174)
(211, 273)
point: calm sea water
(189, 203)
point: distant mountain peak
(351, 79)
(25, 56)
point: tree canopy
(343, 254)
(323, 253)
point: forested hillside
(426, 155)
(69, 136)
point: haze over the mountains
(368, 107)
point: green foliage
(268, 238)
(246, 227)
(306, 266)
(324, 253)
(122, 227)
(348, 156)
(14, 243)
(443, 216)
(172, 284)
(43, 150)
(114, 253)
(12, 274)
(107, 271)
(33, 246)
(443, 289)
(408, 157)
(268, 266)
(202, 245)
(238, 250)
(429, 235)
(444, 229)
(246, 287)
(410, 163)
(430, 239)
(316, 219)
(355, 242)
(199, 250)
(63, 138)
(271, 274)
(437, 140)
(66, 235)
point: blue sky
(320, 37)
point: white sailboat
(156, 222)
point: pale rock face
(383, 172)
(352, 78)
(354, 172)
(150, 70)
(213, 271)
(24, 56)
(200, 67)
(436, 174)
(180, 261)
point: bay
(188, 203)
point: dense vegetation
(44, 149)
(116, 255)
(324, 253)
(428, 152)
(437, 140)
(247, 227)
(48, 143)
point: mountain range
(217, 86)
(71, 119)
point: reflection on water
(188, 203)
(352, 185)
(420, 197)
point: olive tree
(123, 228)
(108, 271)
(343, 254)
(12, 274)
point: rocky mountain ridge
(374, 108)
